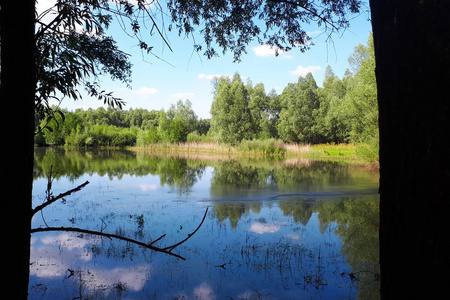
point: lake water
(275, 229)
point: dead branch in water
(167, 250)
(51, 199)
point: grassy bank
(340, 152)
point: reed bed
(258, 148)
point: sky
(185, 74)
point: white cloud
(261, 228)
(212, 76)
(145, 91)
(315, 33)
(182, 95)
(266, 51)
(302, 71)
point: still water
(275, 229)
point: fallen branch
(108, 235)
(166, 250)
(189, 234)
(52, 199)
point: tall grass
(360, 153)
(269, 147)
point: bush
(102, 135)
(145, 137)
(194, 137)
(39, 139)
(264, 147)
(369, 152)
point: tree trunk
(17, 135)
(412, 50)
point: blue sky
(184, 74)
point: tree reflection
(358, 222)
(177, 173)
(328, 193)
(301, 210)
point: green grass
(333, 150)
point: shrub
(39, 139)
(194, 137)
(264, 147)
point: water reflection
(277, 229)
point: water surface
(276, 229)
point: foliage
(231, 119)
(299, 103)
(148, 136)
(231, 25)
(263, 147)
(342, 111)
(73, 49)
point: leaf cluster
(73, 48)
(232, 24)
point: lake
(275, 228)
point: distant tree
(177, 131)
(183, 112)
(231, 119)
(202, 126)
(362, 94)
(163, 127)
(259, 108)
(271, 118)
(332, 119)
(299, 105)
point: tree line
(343, 110)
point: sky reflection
(283, 243)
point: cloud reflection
(148, 187)
(132, 278)
(204, 292)
(261, 228)
(55, 256)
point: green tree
(271, 117)
(299, 105)
(362, 93)
(259, 108)
(177, 131)
(183, 112)
(163, 127)
(231, 117)
(363, 101)
(333, 115)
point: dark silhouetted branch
(166, 250)
(311, 11)
(170, 248)
(52, 199)
(108, 235)
(150, 245)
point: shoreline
(344, 153)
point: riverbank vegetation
(245, 119)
